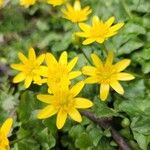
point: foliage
(42, 27)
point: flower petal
(28, 81)
(22, 57)
(19, 67)
(84, 27)
(72, 63)
(63, 58)
(46, 112)
(82, 103)
(110, 21)
(75, 90)
(88, 41)
(43, 71)
(50, 60)
(116, 27)
(117, 87)
(45, 98)
(74, 74)
(77, 6)
(92, 80)
(75, 115)
(32, 55)
(40, 59)
(19, 77)
(89, 70)
(61, 119)
(7, 126)
(96, 60)
(125, 76)
(121, 65)
(104, 91)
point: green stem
(86, 57)
(18, 140)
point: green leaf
(84, 141)
(141, 124)
(102, 110)
(142, 140)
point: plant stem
(86, 57)
(106, 123)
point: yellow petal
(104, 91)
(123, 64)
(28, 81)
(32, 55)
(96, 60)
(84, 27)
(22, 58)
(89, 70)
(43, 71)
(92, 80)
(72, 63)
(110, 21)
(7, 126)
(109, 59)
(116, 27)
(125, 76)
(45, 98)
(40, 59)
(75, 90)
(95, 20)
(74, 74)
(117, 87)
(82, 34)
(82, 103)
(88, 41)
(20, 77)
(63, 58)
(50, 60)
(77, 5)
(75, 115)
(46, 112)
(61, 119)
(19, 67)
(100, 40)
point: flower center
(99, 30)
(106, 74)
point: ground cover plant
(74, 74)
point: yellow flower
(75, 13)
(59, 73)
(56, 2)
(31, 68)
(99, 31)
(1, 3)
(27, 3)
(64, 102)
(4, 131)
(107, 74)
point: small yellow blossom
(31, 68)
(99, 31)
(27, 3)
(1, 3)
(107, 74)
(75, 13)
(56, 2)
(59, 73)
(4, 131)
(64, 102)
